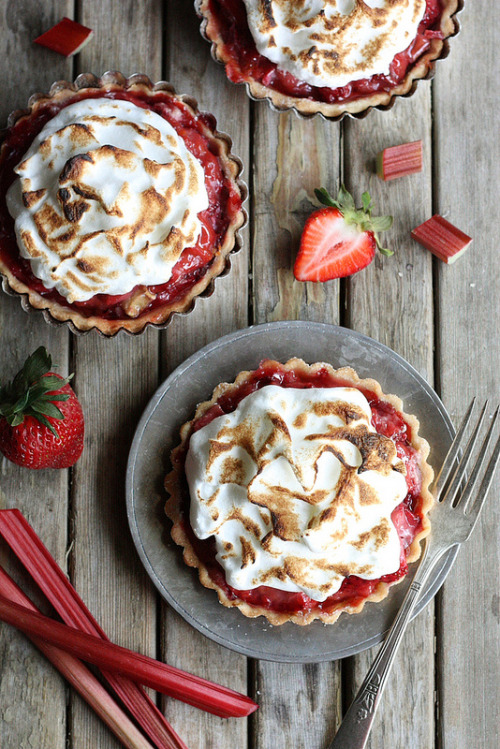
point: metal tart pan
(115, 80)
(272, 99)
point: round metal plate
(157, 433)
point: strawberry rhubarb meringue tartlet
(119, 203)
(328, 56)
(299, 492)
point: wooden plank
(299, 705)
(203, 79)
(32, 694)
(291, 158)
(117, 378)
(226, 310)
(391, 301)
(467, 175)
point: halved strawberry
(339, 240)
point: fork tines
(450, 478)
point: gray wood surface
(467, 170)
(444, 689)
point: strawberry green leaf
(46, 423)
(360, 217)
(37, 365)
(51, 382)
(381, 249)
(47, 409)
(15, 419)
(325, 198)
(381, 223)
(345, 199)
(55, 397)
(20, 404)
(33, 392)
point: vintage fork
(453, 519)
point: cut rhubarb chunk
(398, 161)
(442, 239)
(67, 37)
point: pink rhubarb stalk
(183, 686)
(31, 552)
(80, 678)
(45, 571)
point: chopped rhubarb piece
(183, 686)
(398, 161)
(67, 37)
(80, 678)
(442, 238)
(45, 571)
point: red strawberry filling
(246, 63)
(407, 517)
(224, 202)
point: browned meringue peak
(333, 42)
(107, 199)
(295, 486)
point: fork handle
(357, 722)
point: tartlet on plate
(327, 57)
(120, 203)
(300, 492)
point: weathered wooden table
(444, 689)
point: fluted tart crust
(148, 303)
(393, 447)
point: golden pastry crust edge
(173, 484)
(336, 110)
(54, 312)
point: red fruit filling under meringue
(407, 517)
(224, 201)
(246, 63)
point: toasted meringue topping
(333, 42)
(107, 199)
(297, 488)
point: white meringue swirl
(333, 42)
(298, 489)
(106, 199)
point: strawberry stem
(31, 392)
(360, 217)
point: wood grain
(391, 301)
(467, 172)
(30, 688)
(198, 75)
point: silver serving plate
(157, 433)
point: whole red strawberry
(339, 240)
(41, 420)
